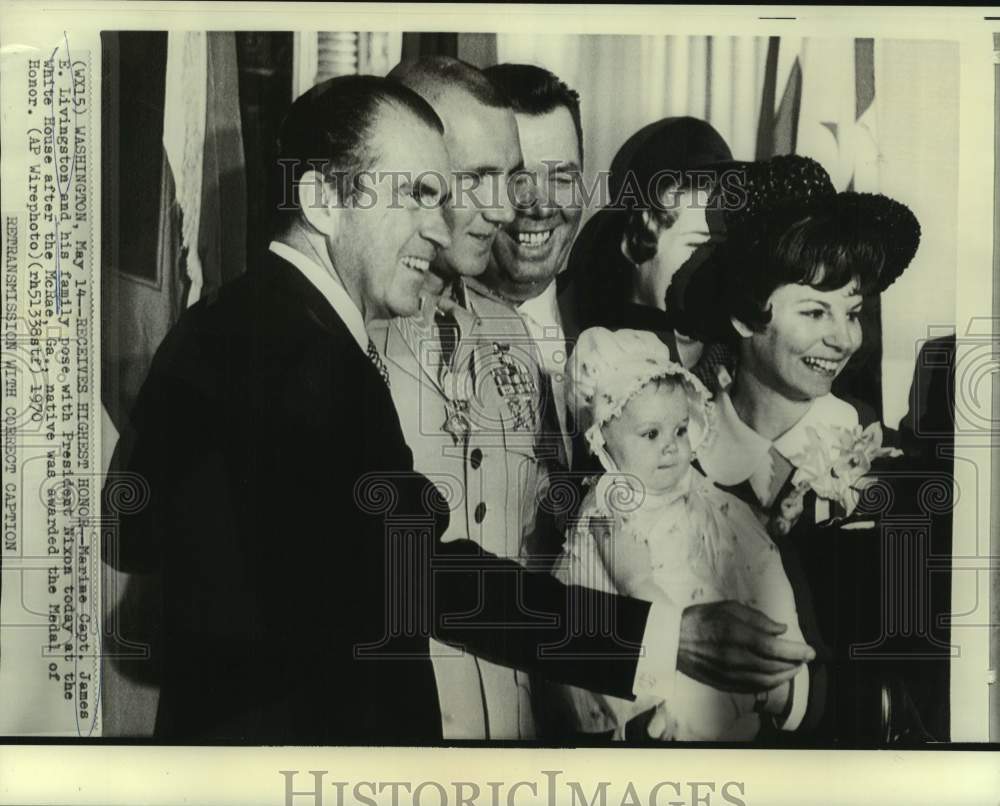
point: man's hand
(732, 647)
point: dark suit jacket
(856, 592)
(289, 529)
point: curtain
(626, 82)
(917, 91)
(819, 101)
(320, 55)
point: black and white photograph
(486, 388)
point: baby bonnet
(608, 368)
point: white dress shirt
(544, 323)
(541, 314)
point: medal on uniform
(457, 420)
(516, 387)
(457, 386)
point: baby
(652, 526)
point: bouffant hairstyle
(826, 250)
(795, 229)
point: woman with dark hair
(626, 255)
(784, 293)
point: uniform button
(476, 458)
(480, 512)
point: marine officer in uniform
(465, 380)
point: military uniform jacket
(471, 419)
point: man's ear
(744, 331)
(319, 203)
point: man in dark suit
(302, 570)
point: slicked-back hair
(431, 75)
(330, 129)
(534, 90)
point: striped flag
(184, 138)
(203, 141)
(191, 237)
(819, 101)
(779, 114)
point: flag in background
(222, 228)
(837, 116)
(819, 101)
(204, 147)
(184, 139)
(780, 98)
(175, 96)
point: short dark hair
(329, 128)
(823, 249)
(426, 76)
(534, 90)
(826, 248)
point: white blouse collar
(737, 451)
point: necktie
(448, 329)
(376, 359)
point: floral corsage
(834, 465)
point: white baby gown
(704, 545)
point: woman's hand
(732, 647)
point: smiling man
(263, 408)
(483, 151)
(464, 376)
(532, 249)
(269, 474)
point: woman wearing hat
(784, 293)
(626, 255)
